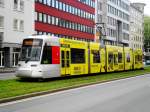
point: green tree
(146, 32)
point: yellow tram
(46, 57)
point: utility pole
(100, 28)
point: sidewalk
(7, 70)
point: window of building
(36, 16)
(49, 19)
(1, 58)
(44, 1)
(1, 36)
(21, 5)
(1, 3)
(15, 58)
(40, 17)
(60, 6)
(40, 1)
(57, 4)
(63, 23)
(44, 18)
(53, 3)
(67, 8)
(56, 21)
(15, 24)
(16, 4)
(53, 20)
(21, 25)
(48, 2)
(1, 21)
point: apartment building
(115, 15)
(16, 22)
(137, 26)
(73, 19)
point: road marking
(61, 92)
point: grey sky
(147, 8)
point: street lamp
(100, 27)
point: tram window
(67, 54)
(115, 59)
(77, 55)
(119, 57)
(62, 59)
(62, 55)
(136, 59)
(68, 63)
(139, 58)
(47, 55)
(110, 58)
(128, 57)
(96, 56)
(63, 63)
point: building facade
(115, 16)
(73, 19)
(137, 26)
(16, 22)
(66, 18)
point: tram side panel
(50, 62)
(138, 55)
(109, 59)
(95, 58)
(103, 59)
(76, 60)
(115, 59)
(79, 58)
(121, 59)
(128, 55)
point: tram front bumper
(28, 73)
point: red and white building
(65, 18)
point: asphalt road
(127, 95)
(5, 76)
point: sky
(147, 7)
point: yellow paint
(93, 52)
(94, 67)
(138, 55)
(128, 53)
(74, 69)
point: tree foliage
(146, 33)
(147, 27)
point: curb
(10, 99)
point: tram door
(65, 61)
